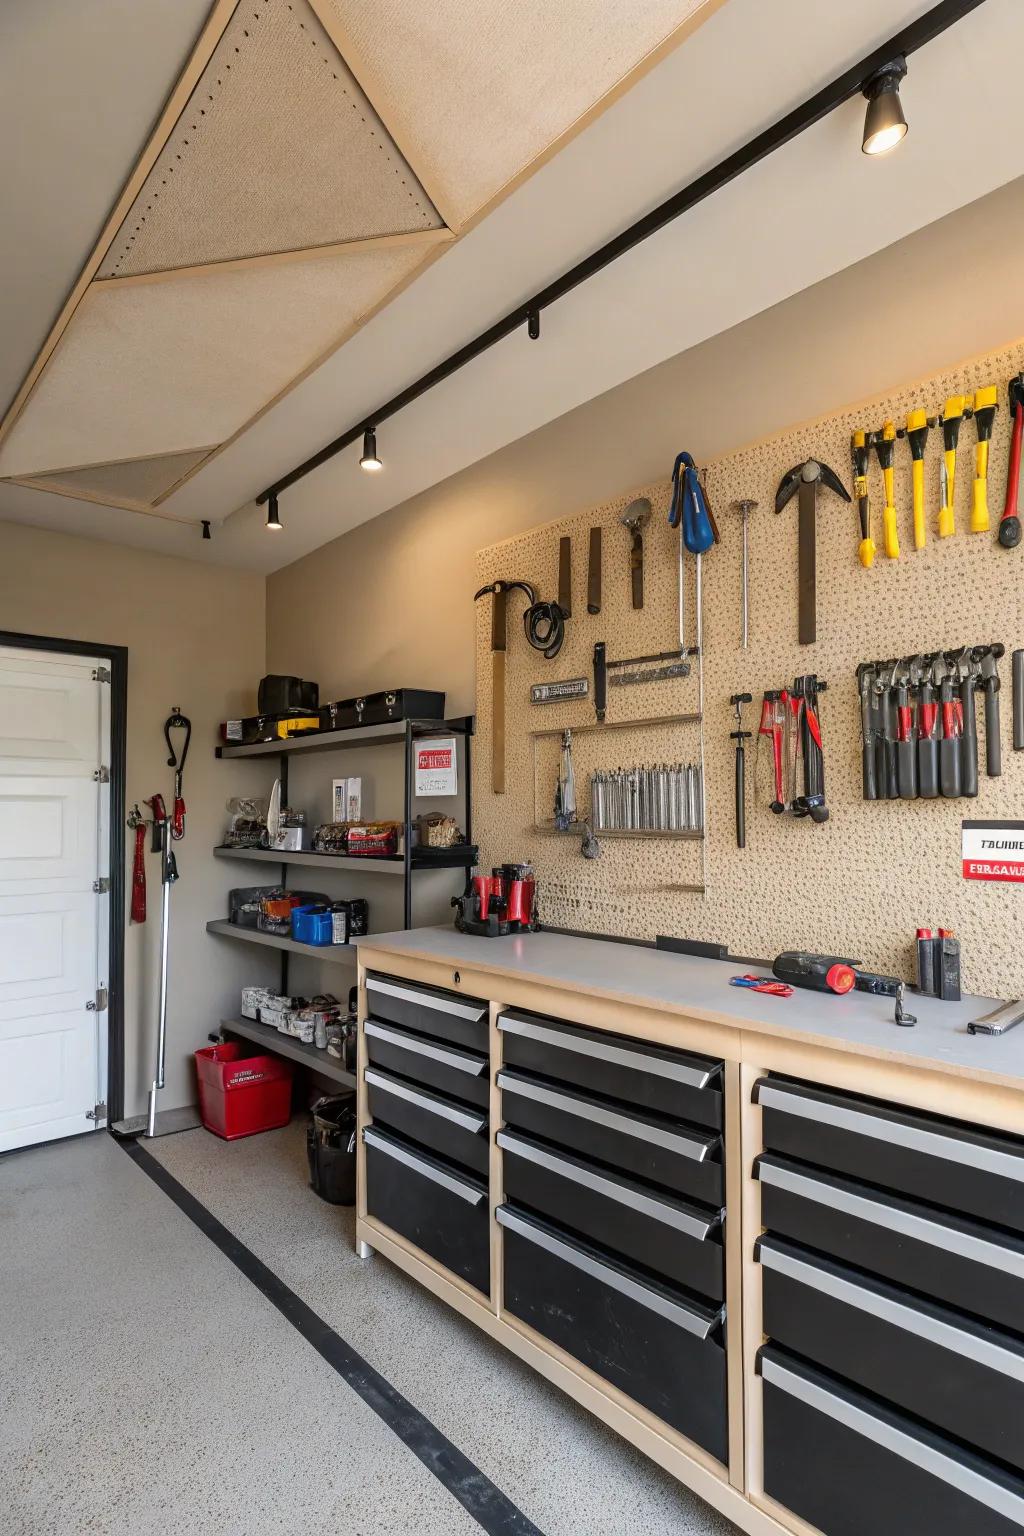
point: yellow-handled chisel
(952, 416)
(917, 437)
(885, 446)
(985, 407)
(859, 449)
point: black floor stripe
(495, 1513)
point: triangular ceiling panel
(277, 150)
(154, 368)
(476, 90)
(133, 480)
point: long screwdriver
(917, 437)
(985, 407)
(885, 442)
(927, 745)
(859, 450)
(1009, 523)
(952, 416)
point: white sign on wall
(436, 766)
(993, 850)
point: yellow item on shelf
(952, 416)
(866, 548)
(885, 443)
(985, 407)
(917, 437)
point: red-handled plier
(762, 984)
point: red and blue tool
(762, 984)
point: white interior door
(54, 820)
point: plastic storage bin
(242, 1095)
(312, 925)
(331, 1149)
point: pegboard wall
(860, 884)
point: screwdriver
(927, 714)
(949, 744)
(952, 416)
(859, 449)
(917, 437)
(985, 407)
(885, 442)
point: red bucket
(242, 1095)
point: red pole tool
(138, 825)
(1009, 523)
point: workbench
(775, 1243)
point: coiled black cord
(545, 628)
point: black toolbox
(380, 708)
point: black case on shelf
(380, 708)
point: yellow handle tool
(859, 449)
(917, 437)
(985, 407)
(952, 416)
(885, 445)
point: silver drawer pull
(694, 1077)
(907, 1447)
(427, 1000)
(682, 1221)
(467, 1192)
(474, 1123)
(1006, 1361)
(426, 1048)
(949, 1147)
(672, 1311)
(920, 1228)
(673, 1141)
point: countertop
(699, 989)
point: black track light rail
(845, 86)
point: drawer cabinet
(944, 1162)
(433, 1203)
(438, 1123)
(442, 1015)
(653, 1077)
(676, 1239)
(851, 1467)
(450, 1069)
(682, 1158)
(946, 1256)
(655, 1343)
(957, 1374)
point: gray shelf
(287, 1045)
(342, 741)
(340, 954)
(392, 864)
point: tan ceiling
(313, 156)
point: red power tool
(1009, 523)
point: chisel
(917, 437)
(885, 442)
(866, 550)
(927, 720)
(1009, 523)
(949, 742)
(985, 407)
(906, 747)
(952, 416)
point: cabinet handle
(682, 1221)
(424, 1048)
(427, 1000)
(693, 1322)
(657, 1066)
(467, 1192)
(474, 1123)
(894, 1219)
(922, 1324)
(950, 1148)
(907, 1447)
(674, 1141)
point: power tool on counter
(503, 902)
(831, 973)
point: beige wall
(390, 602)
(195, 638)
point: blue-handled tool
(688, 511)
(762, 984)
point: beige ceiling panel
(138, 480)
(154, 368)
(278, 149)
(475, 90)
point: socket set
(663, 801)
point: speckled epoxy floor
(147, 1385)
(560, 1466)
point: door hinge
(101, 674)
(98, 1004)
(98, 1112)
(101, 887)
(101, 775)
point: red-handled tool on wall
(176, 721)
(770, 731)
(1009, 523)
(137, 823)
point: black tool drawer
(850, 1467)
(438, 1123)
(655, 1343)
(445, 1015)
(946, 1162)
(976, 1268)
(434, 1204)
(955, 1373)
(654, 1077)
(450, 1069)
(680, 1241)
(683, 1159)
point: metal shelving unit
(342, 954)
(365, 863)
(287, 1045)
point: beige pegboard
(860, 884)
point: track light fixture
(884, 122)
(273, 519)
(369, 459)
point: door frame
(117, 657)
